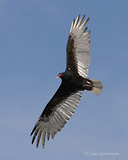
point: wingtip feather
(72, 25)
(80, 21)
(43, 139)
(33, 130)
(84, 23)
(38, 139)
(76, 21)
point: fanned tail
(97, 86)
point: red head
(60, 75)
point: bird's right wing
(57, 112)
(78, 48)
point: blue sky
(33, 37)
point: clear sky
(33, 37)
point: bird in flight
(64, 102)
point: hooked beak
(59, 75)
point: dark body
(70, 84)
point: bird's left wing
(57, 112)
(78, 48)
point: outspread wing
(57, 112)
(78, 48)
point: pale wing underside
(49, 126)
(81, 44)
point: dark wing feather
(57, 112)
(78, 48)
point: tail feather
(97, 86)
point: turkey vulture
(63, 104)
